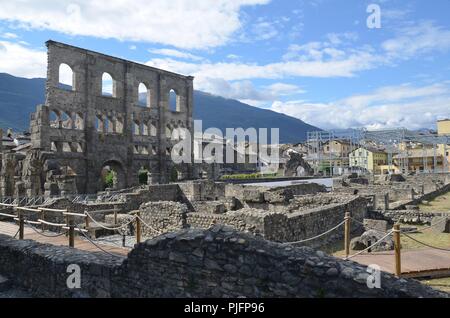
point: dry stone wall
(219, 262)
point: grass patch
(439, 283)
(427, 236)
(439, 204)
(248, 176)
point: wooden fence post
(397, 248)
(347, 233)
(115, 214)
(86, 219)
(43, 218)
(71, 231)
(138, 227)
(21, 225)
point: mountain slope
(19, 97)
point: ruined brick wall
(163, 217)
(203, 190)
(85, 130)
(223, 263)
(288, 226)
(42, 268)
(219, 262)
(305, 224)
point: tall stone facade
(81, 131)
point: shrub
(143, 176)
(109, 179)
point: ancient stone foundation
(219, 262)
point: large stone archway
(119, 179)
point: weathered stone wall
(245, 220)
(243, 191)
(42, 268)
(82, 129)
(157, 192)
(411, 216)
(301, 225)
(163, 216)
(193, 263)
(289, 226)
(202, 190)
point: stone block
(441, 224)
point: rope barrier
(317, 236)
(8, 215)
(368, 248)
(147, 225)
(109, 228)
(425, 244)
(46, 235)
(403, 232)
(53, 210)
(52, 224)
(22, 208)
(99, 247)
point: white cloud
(180, 23)
(176, 53)
(282, 89)
(9, 35)
(22, 61)
(264, 30)
(132, 47)
(393, 106)
(416, 40)
(345, 66)
(246, 92)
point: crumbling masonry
(79, 131)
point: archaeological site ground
(94, 205)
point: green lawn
(427, 236)
(439, 283)
(440, 204)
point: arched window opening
(109, 125)
(99, 124)
(54, 119)
(79, 147)
(136, 149)
(176, 133)
(143, 175)
(53, 147)
(168, 131)
(119, 125)
(144, 150)
(66, 147)
(66, 121)
(174, 101)
(143, 95)
(153, 131)
(79, 121)
(66, 78)
(154, 151)
(145, 131)
(108, 85)
(112, 176)
(136, 128)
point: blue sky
(316, 60)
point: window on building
(66, 78)
(108, 85)
(143, 95)
(174, 101)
